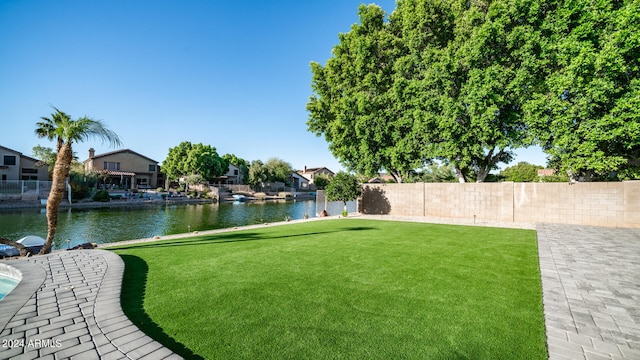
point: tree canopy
(343, 187)
(467, 83)
(274, 170)
(436, 172)
(278, 170)
(46, 155)
(193, 159)
(354, 104)
(586, 115)
(522, 172)
(257, 173)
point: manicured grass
(346, 288)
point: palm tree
(65, 131)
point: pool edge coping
(33, 276)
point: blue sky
(231, 74)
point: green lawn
(345, 288)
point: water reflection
(114, 224)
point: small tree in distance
(522, 172)
(343, 187)
(321, 181)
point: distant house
(233, 176)
(299, 182)
(546, 172)
(381, 179)
(125, 168)
(311, 173)
(16, 166)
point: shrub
(79, 191)
(102, 196)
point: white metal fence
(19, 189)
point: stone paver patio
(68, 303)
(68, 307)
(591, 291)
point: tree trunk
(459, 174)
(60, 173)
(482, 174)
(396, 176)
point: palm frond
(86, 128)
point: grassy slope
(342, 289)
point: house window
(9, 160)
(235, 172)
(108, 165)
(29, 171)
(152, 168)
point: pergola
(123, 178)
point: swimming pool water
(6, 285)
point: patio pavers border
(68, 306)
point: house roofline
(119, 151)
(314, 170)
(20, 154)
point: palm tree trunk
(60, 174)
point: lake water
(112, 224)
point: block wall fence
(613, 204)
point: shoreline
(33, 204)
(353, 215)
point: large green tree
(278, 170)
(194, 159)
(257, 173)
(468, 82)
(586, 115)
(440, 80)
(65, 131)
(354, 104)
(468, 70)
(274, 170)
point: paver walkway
(68, 307)
(591, 291)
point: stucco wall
(11, 172)
(615, 204)
(15, 172)
(129, 162)
(42, 172)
